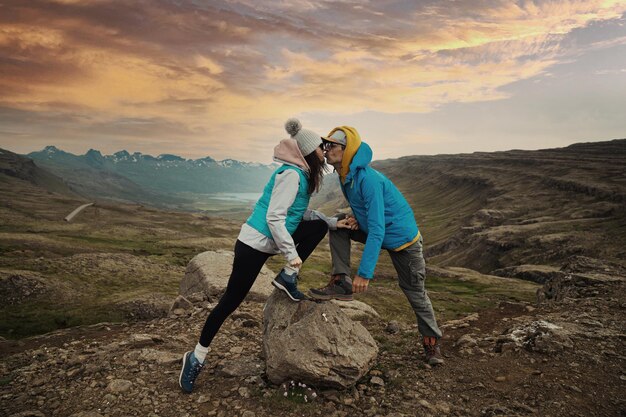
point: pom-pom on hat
(307, 139)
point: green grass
(99, 243)
(36, 318)
(450, 297)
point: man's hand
(359, 284)
(343, 224)
(351, 221)
(348, 223)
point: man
(382, 219)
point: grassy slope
(107, 255)
(112, 254)
(490, 210)
(540, 207)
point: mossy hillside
(109, 255)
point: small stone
(109, 398)
(73, 372)
(38, 382)
(500, 379)
(248, 413)
(141, 340)
(466, 341)
(203, 399)
(244, 392)
(425, 404)
(236, 349)
(393, 327)
(443, 407)
(376, 380)
(119, 386)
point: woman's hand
(296, 263)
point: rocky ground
(562, 358)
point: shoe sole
(282, 288)
(325, 297)
(180, 377)
(435, 362)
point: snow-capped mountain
(165, 173)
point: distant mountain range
(164, 179)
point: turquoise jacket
(294, 215)
(380, 209)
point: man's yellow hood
(353, 141)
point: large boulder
(208, 273)
(314, 343)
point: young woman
(275, 226)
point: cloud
(233, 71)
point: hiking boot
(338, 288)
(288, 284)
(432, 351)
(190, 371)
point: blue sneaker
(282, 282)
(189, 373)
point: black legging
(246, 267)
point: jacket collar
(360, 160)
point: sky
(220, 78)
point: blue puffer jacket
(379, 207)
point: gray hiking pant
(410, 266)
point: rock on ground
(314, 343)
(208, 273)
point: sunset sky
(206, 78)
